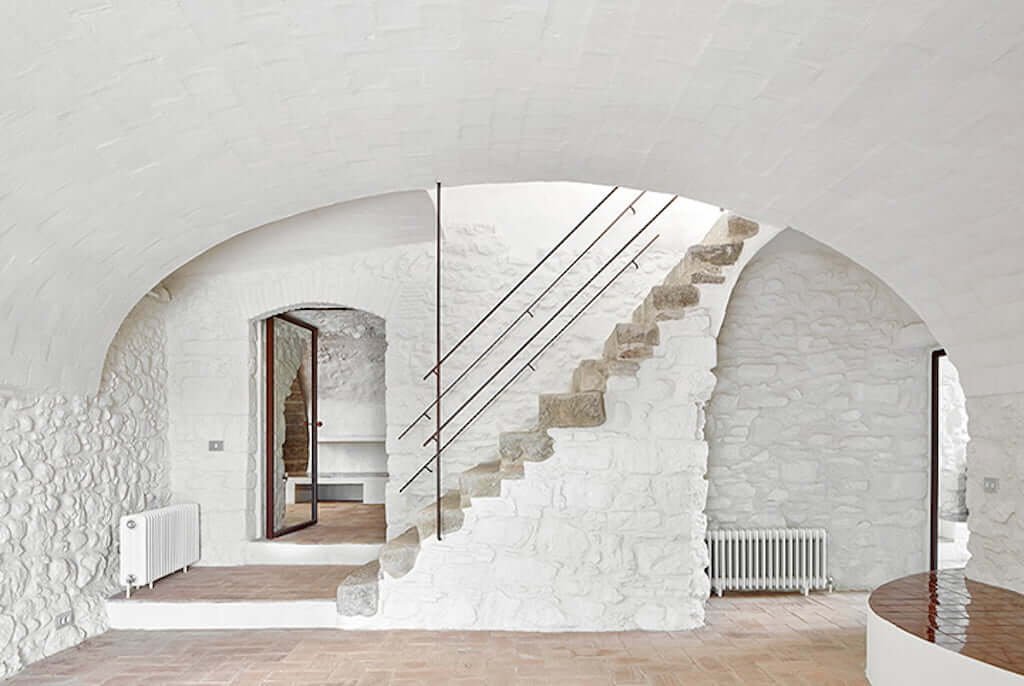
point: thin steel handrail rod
(552, 318)
(527, 312)
(529, 364)
(437, 367)
(520, 283)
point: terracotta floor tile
(250, 582)
(750, 640)
(338, 522)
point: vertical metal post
(437, 368)
(933, 500)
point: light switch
(216, 446)
(991, 485)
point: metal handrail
(527, 312)
(561, 309)
(529, 364)
(508, 295)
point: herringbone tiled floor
(816, 641)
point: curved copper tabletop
(974, 619)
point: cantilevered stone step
(721, 254)
(589, 375)
(742, 228)
(666, 302)
(567, 410)
(516, 447)
(482, 481)
(358, 593)
(398, 555)
(451, 516)
(707, 277)
(593, 375)
(631, 341)
(693, 269)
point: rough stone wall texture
(296, 434)
(70, 467)
(213, 367)
(350, 371)
(606, 534)
(291, 345)
(996, 520)
(820, 417)
(953, 439)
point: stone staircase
(629, 344)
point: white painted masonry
(996, 521)
(821, 413)
(351, 391)
(837, 122)
(216, 300)
(606, 534)
(214, 385)
(350, 372)
(953, 440)
(70, 466)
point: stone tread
(398, 555)
(452, 516)
(571, 410)
(358, 593)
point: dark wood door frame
(933, 514)
(268, 330)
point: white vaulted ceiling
(135, 135)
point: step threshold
(243, 614)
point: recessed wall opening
(949, 466)
(820, 417)
(324, 426)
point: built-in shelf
(354, 438)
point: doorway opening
(949, 531)
(326, 463)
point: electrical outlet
(64, 619)
(216, 446)
(990, 484)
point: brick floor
(338, 523)
(816, 641)
(251, 582)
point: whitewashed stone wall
(821, 413)
(996, 520)
(70, 466)
(953, 439)
(606, 534)
(292, 344)
(350, 372)
(213, 364)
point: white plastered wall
(821, 414)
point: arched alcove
(821, 417)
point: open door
(291, 425)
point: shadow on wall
(820, 417)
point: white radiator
(768, 560)
(158, 542)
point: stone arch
(821, 415)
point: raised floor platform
(244, 597)
(940, 628)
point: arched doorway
(324, 426)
